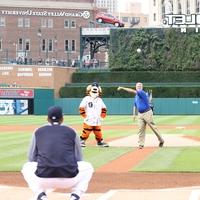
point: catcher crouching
(92, 109)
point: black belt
(145, 111)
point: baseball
(139, 50)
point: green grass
(14, 144)
(13, 150)
(100, 156)
(173, 159)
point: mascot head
(94, 90)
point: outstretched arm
(130, 90)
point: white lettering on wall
(45, 74)
(6, 68)
(82, 14)
(5, 73)
(25, 69)
(45, 69)
(24, 74)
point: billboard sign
(17, 93)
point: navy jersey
(54, 148)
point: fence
(54, 58)
(123, 106)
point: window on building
(179, 7)
(125, 19)
(43, 45)
(167, 7)
(154, 16)
(154, 2)
(46, 23)
(73, 24)
(134, 21)
(163, 9)
(20, 44)
(23, 22)
(27, 45)
(66, 23)
(73, 45)
(20, 22)
(1, 44)
(50, 23)
(66, 45)
(197, 6)
(26, 22)
(50, 45)
(2, 21)
(188, 7)
(43, 23)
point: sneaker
(42, 196)
(161, 144)
(82, 143)
(141, 146)
(74, 197)
(102, 144)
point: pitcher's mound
(172, 140)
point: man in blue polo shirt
(145, 113)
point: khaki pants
(145, 119)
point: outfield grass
(14, 145)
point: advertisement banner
(13, 107)
(17, 93)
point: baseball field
(122, 169)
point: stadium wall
(35, 76)
(123, 106)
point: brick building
(48, 31)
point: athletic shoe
(161, 144)
(141, 146)
(42, 196)
(102, 144)
(74, 197)
(82, 143)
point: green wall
(123, 106)
(43, 99)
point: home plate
(171, 140)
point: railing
(27, 58)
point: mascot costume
(92, 109)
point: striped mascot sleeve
(82, 112)
(103, 112)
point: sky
(145, 4)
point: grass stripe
(14, 144)
(99, 156)
(172, 159)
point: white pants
(78, 184)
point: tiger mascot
(92, 109)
